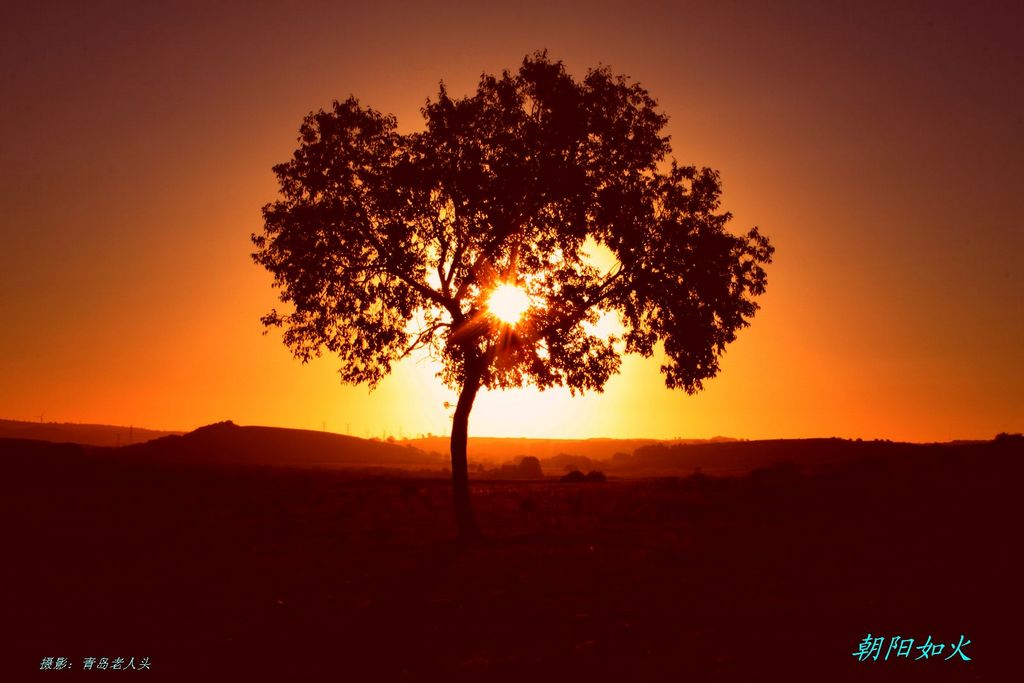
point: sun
(508, 303)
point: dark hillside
(225, 443)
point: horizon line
(429, 435)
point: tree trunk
(468, 529)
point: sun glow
(508, 303)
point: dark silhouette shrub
(529, 468)
(577, 477)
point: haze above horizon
(878, 146)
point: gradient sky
(879, 145)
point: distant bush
(1006, 438)
(577, 477)
(778, 471)
(697, 479)
(529, 468)
(216, 427)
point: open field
(233, 572)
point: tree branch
(384, 256)
(423, 337)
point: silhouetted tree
(529, 468)
(385, 242)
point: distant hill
(86, 434)
(742, 457)
(227, 443)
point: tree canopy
(384, 242)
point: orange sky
(880, 148)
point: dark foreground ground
(260, 574)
